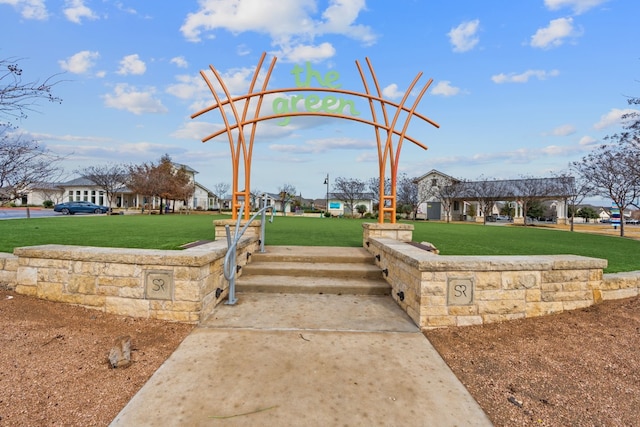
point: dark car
(70, 208)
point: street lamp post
(326, 182)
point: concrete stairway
(312, 270)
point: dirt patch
(54, 368)
(577, 368)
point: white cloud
(76, 10)
(613, 118)
(392, 92)
(179, 61)
(303, 53)
(125, 97)
(29, 9)
(131, 64)
(444, 88)
(289, 23)
(524, 77)
(578, 6)
(554, 34)
(463, 37)
(564, 130)
(587, 141)
(316, 146)
(79, 63)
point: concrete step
(312, 285)
(318, 254)
(312, 270)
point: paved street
(14, 213)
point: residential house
(464, 199)
(83, 189)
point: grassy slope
(172, 231)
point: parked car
(70, 208)
(632, 221)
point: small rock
(120, 353)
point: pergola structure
(390, 130)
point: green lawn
(172, 231)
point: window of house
(93, 196)
(71, 195)
(86, 196)
(456, 205)
(434, 182)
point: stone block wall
(8, 270)
(169, 285)
(439, 291)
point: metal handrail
(230, 267)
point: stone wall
(438, 290)
(169, 285)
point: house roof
(437, 172)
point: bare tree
(487, 192)
(349, 191)
(23, 164)
(222, 191)
(111, 178)
(607, 168)
(407, 195)
(286, 193)
(52, 192)
(577, 188)
(373, 186)
(529, 190)
(441, 188)
(18, 97)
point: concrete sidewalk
(304, 360)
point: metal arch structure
(385, 130)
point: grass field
(173, 231)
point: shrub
(47, 204)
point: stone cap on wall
(192, 257)
(427, 261)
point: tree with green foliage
(587, 213)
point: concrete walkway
(304, 360)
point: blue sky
(520, 87)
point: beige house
(443, 196)
(83, 189)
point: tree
(444, 189)
(361, 209)
(164, 180)
(24, 164)
(407, 195)
(609, 168)
(221, 190)
(349, 191)
(577, 187)
(373, 186)
(286, 193)
(110, 178)
(587, 213)
(530, 191)
(487, 192)
(18, 97)
(140, 181)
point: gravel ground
(578, 368)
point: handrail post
(230, 259)
(262, 224)
(230, 267)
